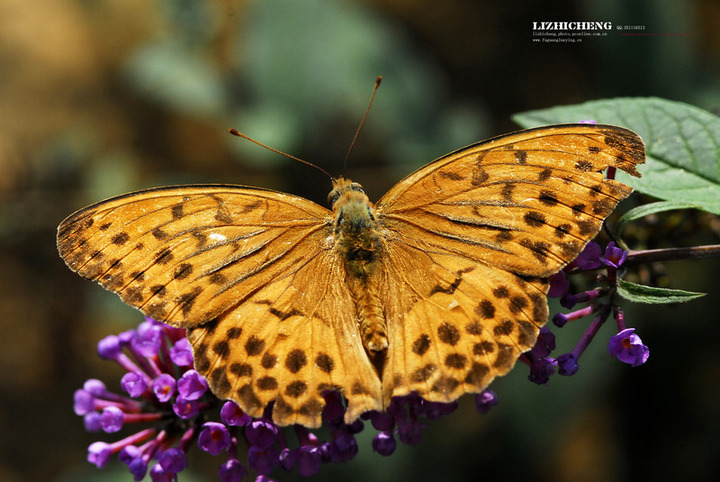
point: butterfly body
(359, 244)
(436, 289)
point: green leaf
(652, 208)
(683, 144)
(653, 295)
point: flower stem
(591, 331)
(672, 254)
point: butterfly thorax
(359, 244)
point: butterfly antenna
(357, 132)
(240, 134)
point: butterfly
(436, 289)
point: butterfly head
(344, 188)
(353, 210)
(355, 226)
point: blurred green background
(101, 97)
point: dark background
(99, 97)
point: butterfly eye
(356, 187)
(333, 197)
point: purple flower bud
(333, 411)
(559, 284)
(485, 400)
(147, 339)
(99, 453)
(231, 471)
(173, 460)
(308, 460)
(126, 336)
(545, 343)
(109, 347)
(382, 421)
(589, 258)
(325, 450)
(95, 387)
(92, 422)
(129, 453)
(138, 467)
(628, 348)
(153, 321)
(84, 402)
(264, 478)
(568, 301)
(158, 474)
(112, 419)
(287, 459)
(163, 387)
(181, 353)
(384, 443)
(561, 319)
(614, 256)
(192, 385)
(185, 409)
(214, 438)
(136, 461)
(567, 364)
(343, 447)
(263, 461)
(541, 369)
(397, 408)
(233, 415)
(356, 427)
(134, 384)
(261, 433)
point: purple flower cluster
(161, 389)
(626, 345)
(172, 400)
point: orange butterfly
(436, 289)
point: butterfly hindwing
(461, 323)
